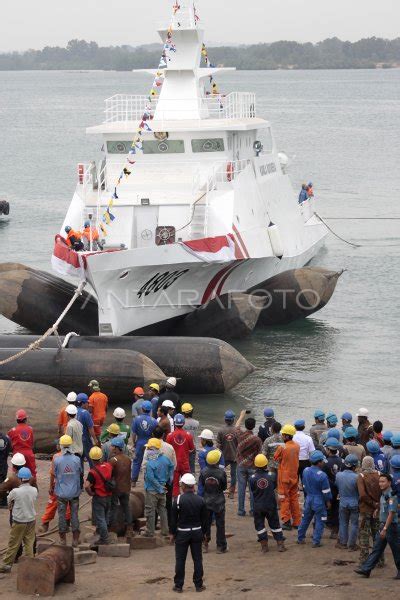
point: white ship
(204, 206)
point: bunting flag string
(137, 144)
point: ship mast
(183, 94)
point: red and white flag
(215, 249)
(66, 261)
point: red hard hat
(21, 415)
(138, 391)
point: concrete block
(85, 557)
(143, 543)
(83, 547)
(115, 550)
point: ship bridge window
(163, 147)
(208, 145)
(149, 147)
(121, 147)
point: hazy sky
(37, 23)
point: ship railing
(126, 107)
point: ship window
(208, 145)
(121, 147)
(164, 147)
(149, 147)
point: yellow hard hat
(186, 408)
(95, 453)
(288, 430)
(66, 440)
(114, 429)
(213, 457)
(260, 461)
(154, 386)
(154, 443)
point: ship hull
(151, 298)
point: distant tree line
(329, 54)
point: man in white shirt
(306, 445)
(75, 430)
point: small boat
(4, 206)
(191, 200)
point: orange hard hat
(138, 391)
(21, 415)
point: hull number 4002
(160, 281)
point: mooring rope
(335, 234)
(36, 344)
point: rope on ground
(36, 345)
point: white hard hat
(207, 434)
(18, 460)
(168, 404)
(71, 397)
(119, 413)
(171, 381)
(71, 410)
(188, 479)
(363, 412)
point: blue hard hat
(332, 442)
(269, 412)
(396, 440)
(387, 436)
(319, 414)
(334, 433)
(350, 432)
(229, 415)
(179, 419)
(118, 442)
(316, 457)
(373, 447)
(346, 416)
(299, 423)
(146, 406)
(24, 473)
(351, 460)
(67, 229)
(86, 224)
(332, 419)
(82, 398)
(395, 461)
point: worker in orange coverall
(288, 489)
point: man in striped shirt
(249, 445)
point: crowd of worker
(349, 474)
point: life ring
(230, 171)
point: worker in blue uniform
(142, 429)
(332, 466)
(262, 485)
(395, 472)
(317, 501)
(380, 460)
